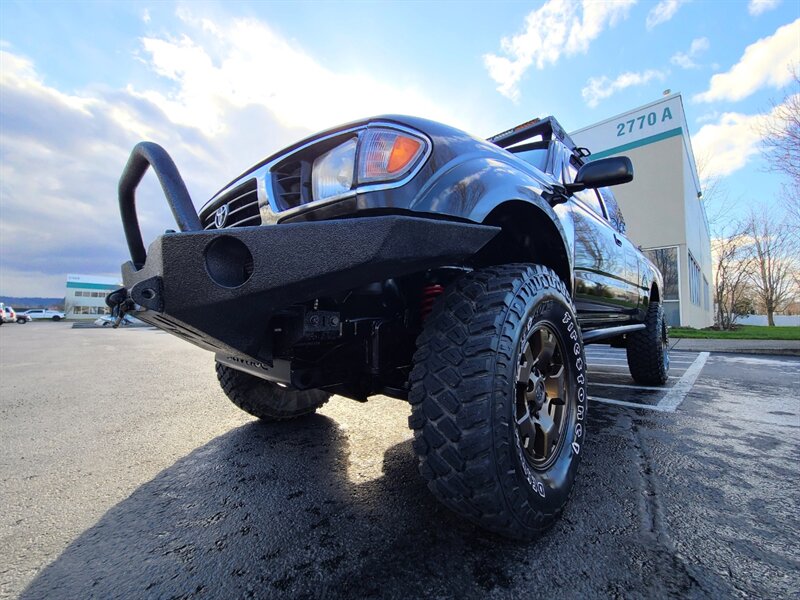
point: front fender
(472, 186)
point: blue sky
(221, 85)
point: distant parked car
(44, 313)
(11, 316)
(8, 315)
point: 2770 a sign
(643, 121)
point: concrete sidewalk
(774, 347)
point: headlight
(383, 155)
(332, 173)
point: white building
(86, 296)
(663, 206)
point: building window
(88, 294)
(666, 259)
(694, 280)
(90, 310)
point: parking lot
(610, 381)
(126, 473)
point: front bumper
(219, 288)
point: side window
(587, 197)
(613, 210)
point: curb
(726, 347)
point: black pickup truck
(403, 257)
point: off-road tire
(648, 349)
(464, 397)
(266, 400)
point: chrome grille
(242, 203)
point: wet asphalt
(126, 473)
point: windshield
(536, 157)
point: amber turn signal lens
(403, 151)
(386, 154)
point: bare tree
(730, 251)
(773, 247)
(733, 267)
(780, 133)
(791, 200)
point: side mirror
(603, 172)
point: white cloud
(559, 27)
(663, 12)
(685, 60)
(727, 145)
(708, 117)
(244, 62)
(757, 7)
(218, 104)
(766, 62)
(146, 15)
(599, 88)
(60, 160)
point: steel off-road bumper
(219, 288)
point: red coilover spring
(429, 295)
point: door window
(613, 210)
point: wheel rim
(542, 407)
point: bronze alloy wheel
(541, 390)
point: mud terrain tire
(471, 380)
(648, 349)
(266, 400)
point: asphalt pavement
(126, 473)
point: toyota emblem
(221, 216)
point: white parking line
(631, 386)
(591, 366)
(675, 394)
(599, 372)
(655, 407)
(623, 354)
(596, 361)
(678, 392)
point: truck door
(602, 294)
(630, 253)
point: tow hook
(119, 301)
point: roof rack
(547, 128)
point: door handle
(617, 240)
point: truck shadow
(268, 511)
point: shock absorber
(429, 294)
